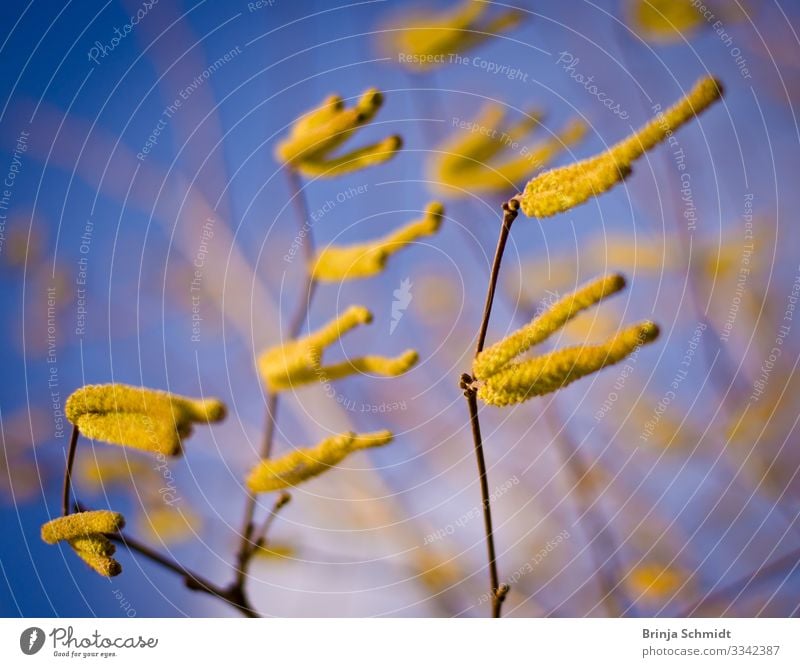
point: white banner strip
(401, 642)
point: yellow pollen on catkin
(86, 534)
(299, 362)
(492, 156)
(563, 188)
(517, 382)
(82, 524)
(315, 136)
(147, 419)
(363, 260)
(303, 464)
(429, 39)
(493, 358)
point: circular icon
(31, 640)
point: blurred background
(145, 226)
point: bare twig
(251, 537)
(73, 446)
(498, 591)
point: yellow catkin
(86, 534)
(427, 40)
(101, 472)
(98, 545)
(563, 188)
(363, 260)
(82, 524)
(303, 464)
(493, 358)
(314, 137)
(492, 156)
(147, 419)
(517, 382)
(664, 21)
(655, 582)
(169, 525)
(628, 254)
(299, 362)
(105, 566)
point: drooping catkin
(314, 137)
(86, 534)
(82, 524)
(147, 419)
(299, 362)
(517, 382)
(363, 260)
(492, 157)
(563, 188)
(423, 41)
(493, 358)
(303, 464)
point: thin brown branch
(252, 537)
(73, 446)
(192, 580)
(497, 591)
(510, 212)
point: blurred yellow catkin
(86, 534)
(314, 137)
(664, 21)
(363, 260)
(169, 525)
(424, 40)
(147, 419)
(563, 188)
(654, 581)
(299, 362)
(492, 156)
(303, 464)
